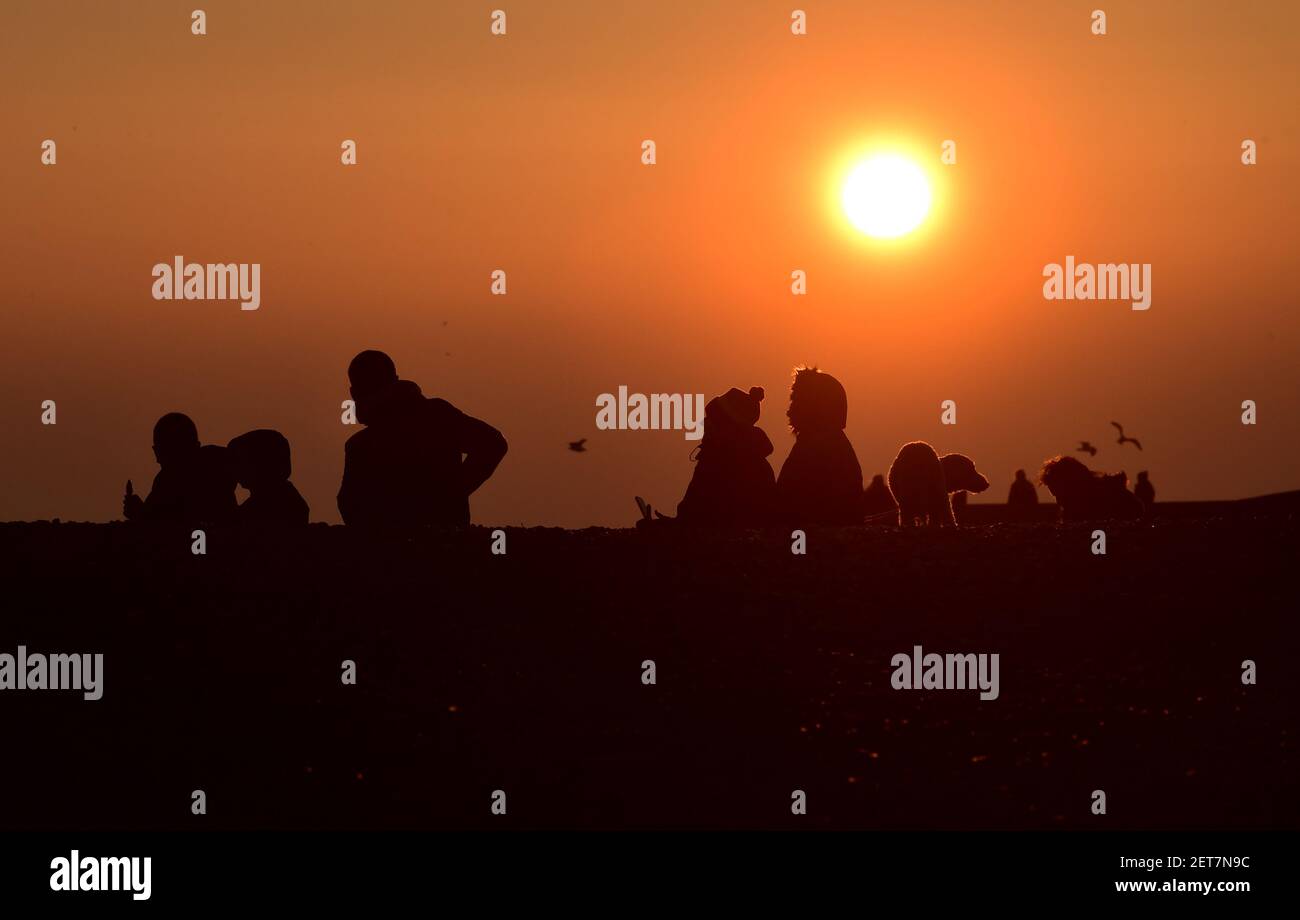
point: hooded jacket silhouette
(261, 462)
(418, 459)
(733, 484)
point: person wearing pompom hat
(821, 480)
(733, 484)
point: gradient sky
(523, 153)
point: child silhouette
(821, 480)
(733, 483)
(194, 482)
(260, 460)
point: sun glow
(886, 196)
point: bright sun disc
(886, 196)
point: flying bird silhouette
(1086, 448)
(1123, 439)
(577, 446)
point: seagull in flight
(1124, 439)
(1086, 448)
(577, 446)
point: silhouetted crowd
(417, 460)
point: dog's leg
(941, 508)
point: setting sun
(886, 196)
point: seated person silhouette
(194, 483)
(418, 459)
(260, 461)
(1144, 490)
(877, 500)
(1023, 497)
(733, 484)
(821, 480)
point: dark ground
(479, 672)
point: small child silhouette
(260, 460)
(194, 483)
(821, 480)
(733, 484)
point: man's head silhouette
(372, 375)
(817, 402)
(175, 438)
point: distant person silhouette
(1023, 497)
(877, 499)
(194, 482)
(260, 460)
(1144, 490)
(418, 459)
(821, 480)
(733, 484)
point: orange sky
(522, 152)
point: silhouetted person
(877, 499)
(260, 460)
(418, 460)
(1023, 497)
(1144, 490)
(733, 484)
(194, 483)
(821, 481)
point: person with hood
(733, 484)
(261, 462)
(418, 459)
(821, 481)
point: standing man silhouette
(418, 459)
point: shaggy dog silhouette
(920, 481)
(1085, 495)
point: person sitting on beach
(194, 482)
(418, 459)
(733, 484)
(1144, 490)
(261, 464)
(1023, 497)
(821, 480)
(877, 500)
